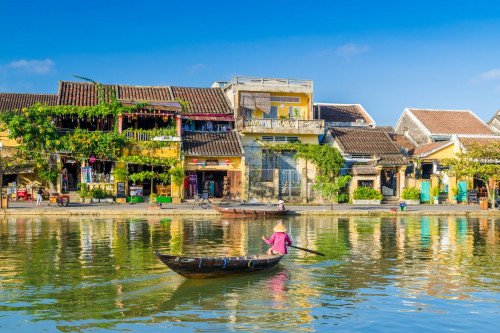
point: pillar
(179, 125)
(303, 187)
(120, 123)
(276, 182)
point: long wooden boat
(249, 212)
(201, 267)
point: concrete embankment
(124, 210)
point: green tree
(480, 161)
(330, 189)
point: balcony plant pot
(436, 200)
(108, 200)
(87, 200)
(366, 202)
(94, 200)
(176, 200)
(412, 202)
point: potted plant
(83, 192)
(367, 196)
(411, 195)
(454, 192)
(152, 199)
(435, 194)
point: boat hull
(249, 212)
(202, 268)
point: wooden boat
(201, 268)
(249, 212)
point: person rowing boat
(279, 240)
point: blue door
(462, 191)
(425, 191)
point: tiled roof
(343, 113)
(211, 143)
(391, 159)
(12, 101)
(402, 141)
(428, 148)
(203, 100)
(354, 140)
(481, 141)
(451, 122)
(145, 93)
(364, 170)
(79, 93)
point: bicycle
(202, 201)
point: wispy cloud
(195, 69)
(351, 49)
(33, 66)
(491, 75)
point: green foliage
(177, 175)
(454, 191)
(435, 191)
(481, 161)
(83, 143)
(120, 174)
(156, 161)
(330, 189)
(184, 105)
(152, 198)
(366, 193)
(410, 193)
(98, 193)
(327, 160)
(83, 190)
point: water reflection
(88, 273)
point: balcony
(281, 126)
(138, 145)
(270, 84)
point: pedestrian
(39, 196)
(279, 240)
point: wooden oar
(307, 250)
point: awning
(210, 117)
(364, 170)
(253, 100)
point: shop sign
(120, 190)
(212, 162)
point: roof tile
(355, 140)
(203, 100)
(341, 113)
(211, 143)
(12, 101)
(452, 122)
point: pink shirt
(279, 240)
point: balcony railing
(264, 82)
(296, 125)
(142, 136)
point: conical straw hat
(279, 228)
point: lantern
(195, 161)
(228, 161)
(92, 159)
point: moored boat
(207, 267)
(249, 212)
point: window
(294, 112)
(247, 113)
(273, 113)
(275, 138)
(285, 99)
(365, 183)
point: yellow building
(270, 111)
(19, 179)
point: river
(397, 274)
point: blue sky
(381, 54)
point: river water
(412, 274)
